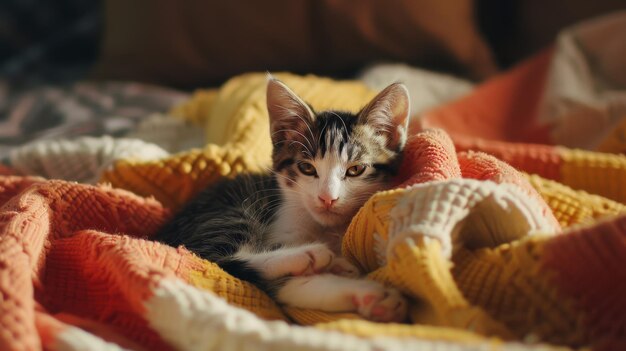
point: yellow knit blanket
(505, 279)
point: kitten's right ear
(290, 117)
(389, 113)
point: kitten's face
(330, 163)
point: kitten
(282, 230)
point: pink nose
(328, 201)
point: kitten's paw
(314, 260)
(341, 266)
(300, 261)
(380, 304)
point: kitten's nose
(327, 200)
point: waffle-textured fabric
(77, 269)
(77, 272)
(237, 137)
(491, 258)
(82, 159)
(501, 117)
(57, 110)
(464, 235)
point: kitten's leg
(290, 261)
(332, 293)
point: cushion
(191, 43)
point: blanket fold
(113, 276)
(500, 238)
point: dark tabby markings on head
(332, 132)
(335, 131)
(374, 136)
(292, 174)
(282, 164)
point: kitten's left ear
(388, 113)
(290, 117)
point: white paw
(342, 267)
(314, 260)
(380, 304)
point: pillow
(198, 43)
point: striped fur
(272, 228)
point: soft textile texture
(82, 159)
(571, 95)
(79, 109)
(122, 288)
(489, 256)
(427, 89)
(585, 94)
(237, 136)
(79, 269)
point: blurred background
(84, 67)
(189, 44)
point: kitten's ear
(290, 117)
(388, 113)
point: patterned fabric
(82, 159)
(466, 236)
(85, 159)
(595, 172)
(235, 122)
(119, 288)
(52, 112)
(490, 257)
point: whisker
(310, 131)
(306, 123)
(268, 206)
(319, 140)
(288, 179)
(295, 141)
(345, 127)
(306, 151)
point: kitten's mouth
(331, 217)
(327, 211)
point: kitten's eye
(355, 171)
(306, 168)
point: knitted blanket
(527, 254)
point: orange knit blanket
(475, 244)
(77, 271)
